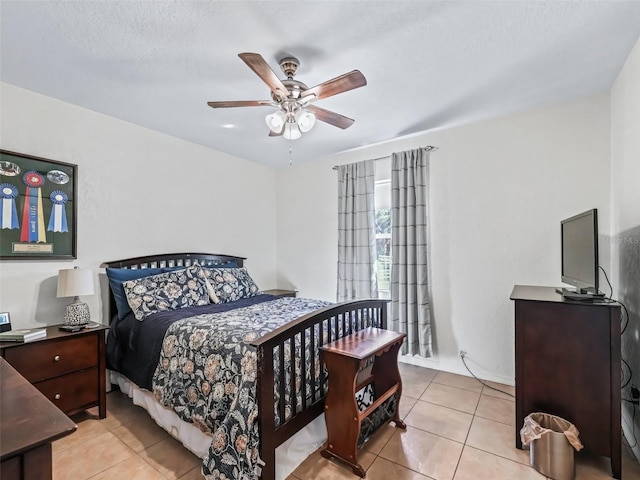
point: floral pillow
(168, 291)
(231, 284)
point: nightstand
(68, 368)
(281, 293)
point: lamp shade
(276, 121)
(291, 131)
(74, 282)
(306, 120)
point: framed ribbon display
(38, 209)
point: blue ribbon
(58, 198)
(8, 193)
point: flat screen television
(580, 253)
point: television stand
(567, 363)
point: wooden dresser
(567, 356)
(28, 425)
(68, 368)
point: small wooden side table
(68, 368)
(344, 359)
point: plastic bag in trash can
(537, 424)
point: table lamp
(74, 282)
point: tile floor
(456, 429)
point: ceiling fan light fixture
(292, 97)
(291, 131)
(306, 120)
(276, 121)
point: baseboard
(627, 430)
(454, 366)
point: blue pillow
(117, 276)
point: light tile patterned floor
(456, 430)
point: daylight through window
(383, 228)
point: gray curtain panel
(356, 232)
(410, 291)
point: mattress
(288, 455)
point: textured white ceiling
(428, 64)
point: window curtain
(356, 232)
(410, 291)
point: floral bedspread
(207, 375)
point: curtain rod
(428, 148)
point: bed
(278, 361)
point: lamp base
(77, 314)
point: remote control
(71, 328)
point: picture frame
(5, 322)
(38, 208)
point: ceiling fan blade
(343, 83)
(276, 134)
(261, 68)
(242, 103)
(332, 118)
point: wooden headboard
(167, 260)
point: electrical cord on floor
(462, 355)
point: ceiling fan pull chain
(290, 154)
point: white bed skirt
(288, 455)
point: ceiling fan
(294, 99)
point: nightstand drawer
(73, 391)
(43, 360)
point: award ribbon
(58, 220)
(33, 213)
(8, 212)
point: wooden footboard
(308, 333)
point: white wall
(625, 207)
(139, 192)
(498, 192)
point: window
(383, 227)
